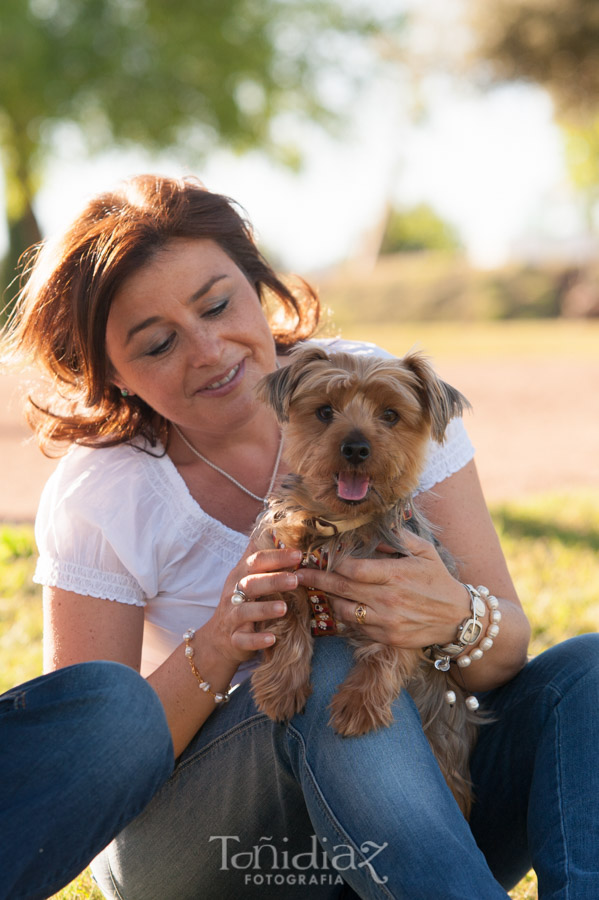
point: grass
(575, 339)
(551, 543)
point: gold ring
(360, 614)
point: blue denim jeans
(82, 750)
(255, 809)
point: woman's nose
(204, 349)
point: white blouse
(120, 524)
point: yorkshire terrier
(357, 430)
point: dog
(356, 432)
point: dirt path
(535, 426)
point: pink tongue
(351, 486)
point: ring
(360, 614)
(238, 596)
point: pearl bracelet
(203, 684)
(492, 631)
(469, 633)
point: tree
(164, 74)
(555, 45)
(546, 42)
(418, 228)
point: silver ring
(238, 596)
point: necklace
(238, 484)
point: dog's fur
(356, 435)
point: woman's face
(187, 334)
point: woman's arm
(414, 602)
(80, 628)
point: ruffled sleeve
(96, 527)
(447, 458)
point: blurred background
(431, 166)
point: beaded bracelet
(203, 684)
(492, 631)
(469, 633)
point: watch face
(471, 631)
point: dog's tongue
(352, 486)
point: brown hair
(59, 323)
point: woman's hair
(59, 322)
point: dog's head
(357, 427)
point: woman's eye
(216, 310)
(325, 413)
(390, 417)
(163, 347)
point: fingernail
(291, 580)
(280, 609)
(269, 639)
(296, 555)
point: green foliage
(20, 608)
(440, 287)
(418, 228)
(550, 43)
(167, 74)
(83, 888)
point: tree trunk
(23, 233)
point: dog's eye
(325, 413)
(390, 417)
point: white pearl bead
(486, 643)
(463, 661)
(482, 590)
(450, 697)
(493, 631)
(218, 698)
(472, 703)
(189, 652)
(496, 616)
(189, 634)
(476, 654)
(492, 602)
(204, 686)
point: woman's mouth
(231, 375)
(222, 383)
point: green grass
(551, 544)
(576, 339)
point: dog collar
(331, 527)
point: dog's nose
(355, 451)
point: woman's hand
(259, 573)
(410, 602)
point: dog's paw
(281, 706)
(352, 718)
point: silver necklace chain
(226, 474)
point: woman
(155, 318)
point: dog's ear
(278, 387)
(442, 401)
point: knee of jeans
(571, 660)
(121, 704)
(331, 661)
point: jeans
(82, 751)
(256, 809)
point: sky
(491, 164)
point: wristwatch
(468, 633)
